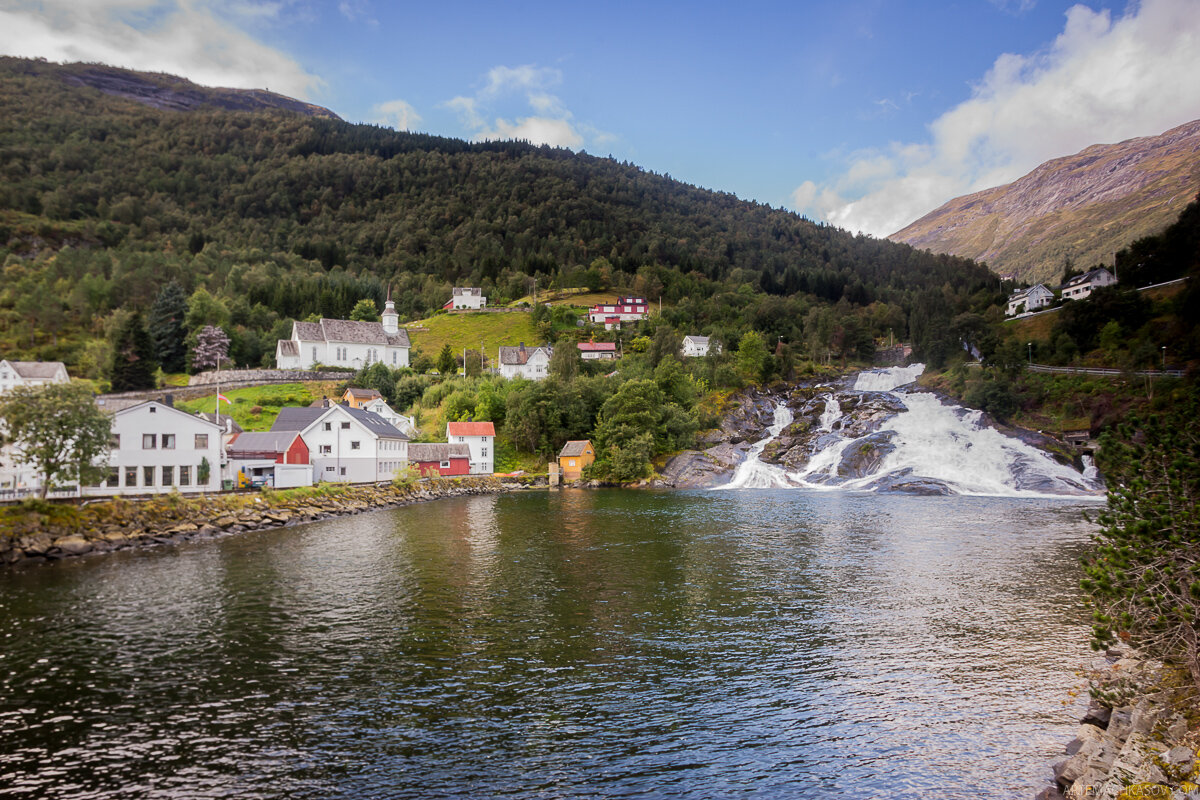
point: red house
(626, 309)
(440, 459)
(282, 447)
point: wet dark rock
(905, 483)
(862, 457)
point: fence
(1102, 371)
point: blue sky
(865, 113)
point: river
(575, 644)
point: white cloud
(181, 37)
(398, 114)
(1101, 80)
(522, 93)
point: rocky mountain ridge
(1076, 210)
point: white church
(345, 343)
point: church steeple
(391, 320)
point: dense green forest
(265, 217)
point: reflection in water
(566, 644)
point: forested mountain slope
(280, 215)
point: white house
(157, 448)
(402, 422)
(1083, 285)
(522, 362)
(466, 297)
(480, 438)
(597, 351)
(345, 343)
(30, 373)
(626, 309)
(1031, 299)
(696, 346)
(347, 445)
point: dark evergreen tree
(133, 365)
(167, 330)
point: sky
(866, 114)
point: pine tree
(446, 364)
(133, 365)
(166, 327)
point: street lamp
(1164, 349)
(1031, 354)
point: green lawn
(468, 330)
(266, 399)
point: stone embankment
(1134, 741)
(61, 532)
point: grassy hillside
(468, 330)
(255, 408)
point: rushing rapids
(877, 435)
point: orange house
(359, 398)
(575, 455)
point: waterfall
(894, 439)
(833, 412)
(753, 473)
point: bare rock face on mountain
(1081, 208)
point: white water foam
(755, 474)
(832, 413)
(885, 380)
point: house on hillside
(1027, 300)
(525, 362)
(437, 458)
(695, 347)
(157, 448)
(30, 373)
(270, 458)
(597, 351)
(228, 425)
(466, 297)
(345, 343)
(347, 445)
(480, 439)
(574, 456)
(360, 398)
(626, 309)
(1083, 285)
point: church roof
(350, 332)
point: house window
(343, 471)
(153, 409)
(445, 465)
(328, 426)
(201, 441)
(314, 355)
(131, 476)
(168, 441)
(345, 426)
(354, 445)
(571, 462)
(326, 449)
(185, 476)
(114, 476)
(147, 476)
(394, 355)
(148, 441)
(115, 441)
(483, 451)
(168, 476)
(329, 469)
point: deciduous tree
(59, 430)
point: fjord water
(758, 643)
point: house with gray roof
(345, 343)
(30, 373)
(525, 362)
(345, 444)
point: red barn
(440, 459)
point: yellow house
(358, 398)
(574, 457)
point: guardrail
(1102, 371)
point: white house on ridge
(466, 297)
(525, 362)
(345, 343)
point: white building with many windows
(157, 448)
(345, 343)
(480, 438)
(347, 445)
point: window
(570, 462)
(345, 426)
(153, 409)
(314, 355)
(326, 449)
(148, 441)
(329, 469)
(115, 441)
(445, 465)
(114, 476)
(168, 476)
(343, 471)
(328, 426)
(394, 354)
(354, 445)
(483, 451)
(131, 476)
(201, 441)
(168, 441)
(185, 476)
(147, 476)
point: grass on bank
(255, 407)
(470, 330)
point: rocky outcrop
(120, 523)
(1134, 739)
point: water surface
(574, 644)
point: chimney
(169, 400)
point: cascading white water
(927, 447)
(753, 473)
(832, 413)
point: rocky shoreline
(1134, 741)
(118, 524)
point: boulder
(73, 545)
